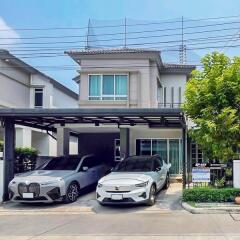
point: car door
(159, 172)
(86, 176)
(94, 168)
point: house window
(117, 152)
(108, 87)
(164, 96)
(197, 154)
(170, 150)
(172, 97)
(179, 96)
(38, 97)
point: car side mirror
(85, 169)
(158, 169)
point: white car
(59, 179)
(136, 179)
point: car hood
(125, 178)
(43, 175)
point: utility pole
(87, 37)
(182, 49)
(125, 32)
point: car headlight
(52, 182)
(144, 184)
(99, 185)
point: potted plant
(237, 200)
(219, 182)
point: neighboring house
(23, 86)
(132, 78)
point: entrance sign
(200, 174)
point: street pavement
(87, 220)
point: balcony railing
(169, 105)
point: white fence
(236, 173)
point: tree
(212, 102)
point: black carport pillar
(124, 142)
(184, 155)
(9, 146)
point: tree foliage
(212, 102)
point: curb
(219, 210)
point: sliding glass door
(159, 146)
(174, 156)
(170, 151)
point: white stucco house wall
(135, 78)
(22, 86)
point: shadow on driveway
(167, 200)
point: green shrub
(1, 146)
(25, 159)
(30, 152)
(210, 194)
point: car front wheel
(167, 182)
(152, 196)
(72, 193)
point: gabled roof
(177, 68)
(13, 60)
(129, 53)
(95, 51)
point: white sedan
(136, 179)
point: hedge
(210, 194)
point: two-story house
(22, 86)
(133, 78)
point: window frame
(103, 97)
(168, 149)
(38, 90)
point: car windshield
(61, 163)
(134, 164)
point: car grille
(31, 188)
(34, 199)
(124, 200)
(117, 191)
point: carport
(50, 119)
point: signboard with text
(200, 174)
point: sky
(16, 15)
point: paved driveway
(167, 200)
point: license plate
(27, 195)
(116, 197)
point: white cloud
(8, 35)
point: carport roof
(47, 118)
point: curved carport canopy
(48, 119)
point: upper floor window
(108, 87)
(38, 97)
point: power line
(63, 48)
(165, 35)
(121, 33)
(201, 41)
(121, 25)
(33, 48)
(51, 55)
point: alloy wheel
(73, 192)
